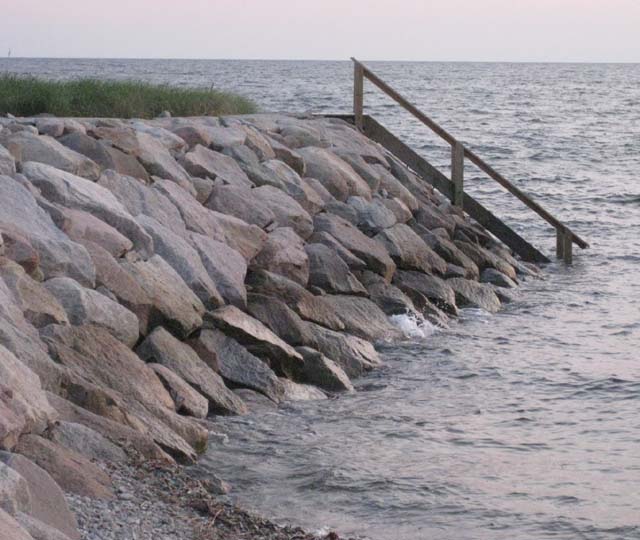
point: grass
(29, 96)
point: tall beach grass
(29, 96)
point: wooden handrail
(565, 237)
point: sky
(424, 30)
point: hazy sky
(509, 30)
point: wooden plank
(559, 243)
(358, 94)
(477, 211)
(457, 173)
(567, 251)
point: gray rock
(186, 398)
(362, 318)
(7, 163)
(86, 442)
(160, 347)
(474, 294)
(226, 267)
(409, 251)
(335, 174)
(399, 209)
(322, 372)
(486, 259)
(11, 529)
(450, 253)
(39, 530)
(368, 173)
(54, 127)
(490, 275)
(258, 143)
(353, 262)
(286, 209)
(169, 140)
(329, 272)
(370, 251)
(320, 190)
(343, 210)
(354, 355)
(305, 304)
(237, 366)
(185, 260)
(174, 304)
(279, 318)
(245, 158)
(389, 298)
(22, 218)
(288, 156)
(372, 217)
(208, 163)
(194, 134)
(26, 147)
(203, 187)
(301, 392)
(15, 495)
(243, 203)
(284, 253)
(75, 192)
(224, 137)
(433, 288)
(432, 217)
(255, 336)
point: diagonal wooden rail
(565, 237)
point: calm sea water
(521, 425)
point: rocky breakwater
(156, 273)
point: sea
(520, 425)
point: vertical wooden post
(358, 93)
(567, 249)
(559, 243)
(457, 173)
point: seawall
(156, 273)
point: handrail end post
(358, 94)
(568, 248)
(457, 173)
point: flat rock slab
(160, 347)
(237, 366)
(255, 336)
(474, 294)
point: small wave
(413, 326)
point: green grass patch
(29, 96)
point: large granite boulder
(373, 216)
(409, 251)
(288, 212)
(160, 347)
(330, 273)
(175, 305)
(322, 372)
(26, 147)
(490, 275)
(15, 495)
(87, 442)
(373, 253)
(433, 288)
(11, 529)
(473, 294)
(243, 203)
(255, 336)
(389, 298)
(279, 318)
(208, 163)
(486, 259)
(25, 224)
(7, 162)
(188, 400)
(74, 192)
(86, 306)
(185, 260)
(237, 366)
(284, 253)
(354, 263)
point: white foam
(413, 326)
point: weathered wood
(457, 173)
(358, 94)
(559, 243)
(567, 250)
(430, 174)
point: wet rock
(255, 336)
(474, 294)
(354, 355)
(362, 318)
(80, 194)
(85, 306)
(301, 392)
(284, 254)
(23, 405)
(322, 372)
(237, 366)
(370, 251)
(433, 288)
(187, 400)
(335, 174)
(7, 163)
(26, 147)
(389, 298)
(226, 267)
(37, 304)
(185, 260)
(175, 305)
(160, 347)
(279, 318)
(353, 262)
(490, 275)
(70, 471)
(86, 442)
(329, 272)
(47, 502)
(485, 258)
(287, 211)
(83, 227)
(211, 164)
(24, 224)
(243, 203)
(305, 304)
(409, 251)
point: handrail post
(358, 94)
(457, 173)
(567, 249)
(559, 243)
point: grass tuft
(29, 96)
